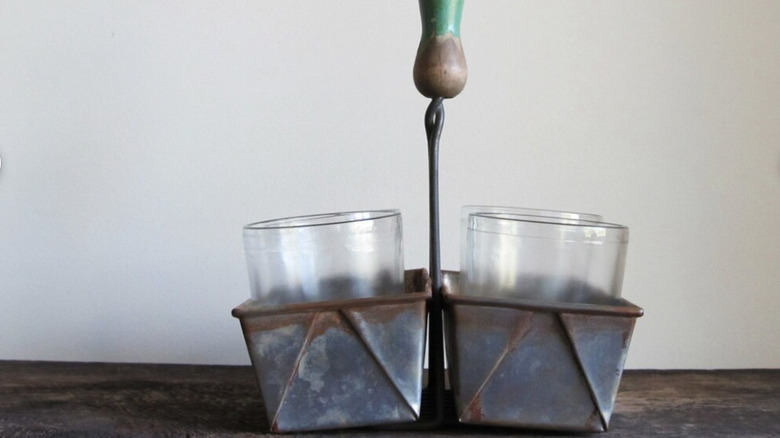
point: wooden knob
(440, 66)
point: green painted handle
(440, 67)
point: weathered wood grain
(55, 399)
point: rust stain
(273, 322)
(627, 334)
(386, 313)
(595, 422)
(326, 321)
(474, 410)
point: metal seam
(365, 343)
(581, 367)
(304, 346)
(518, 334)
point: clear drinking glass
(325, 257)
(468, 210)
(543, 257)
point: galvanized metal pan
(340, 364)
(533, 364)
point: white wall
(138, 137)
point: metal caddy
(512, 362)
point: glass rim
(307, 221)
(500, 209)
(549, 220)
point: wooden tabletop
(56, 399)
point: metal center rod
(434, 122)
(434, 391)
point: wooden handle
(440, 67)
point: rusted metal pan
(535, 365)
(340, 364)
